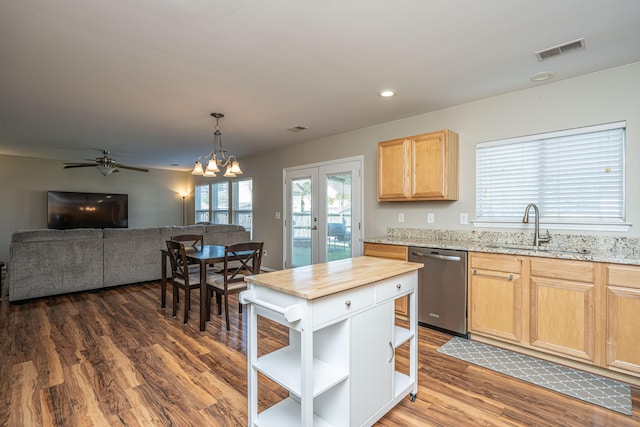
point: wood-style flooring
(114, 358)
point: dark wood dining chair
(182, 277)
(240, 260)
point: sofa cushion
(50, 262)
(131, 255)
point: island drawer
(341, 304)
(395, 287)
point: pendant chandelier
(217, 158)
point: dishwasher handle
(436, 256)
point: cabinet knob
(398, 286)
(348, 303)
(475, 271)
(510, 276)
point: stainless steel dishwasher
(442, 289)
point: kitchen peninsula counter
(579, 248)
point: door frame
(357, 219)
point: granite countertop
(581, 248)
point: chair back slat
(195, 241)
(178, 258)
(242, 259)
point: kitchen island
(339, 366)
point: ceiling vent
(297, 128)
(561, 49)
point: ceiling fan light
(197, 169)
(105, 170)
(235, 168)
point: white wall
(601, 97)
(153, 198)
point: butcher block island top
(319, 280)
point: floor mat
(591, 388)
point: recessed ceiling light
(542, 76)
(386, 93)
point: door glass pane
(338, 220)
(301, 222)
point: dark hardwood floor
(114, 358)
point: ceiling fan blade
(78, 165)
(131, 168)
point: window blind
(574, 176)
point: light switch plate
(464, 218)
(431, 218)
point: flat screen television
(67, 209)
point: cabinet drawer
(578, 271)
(507, 263)
(395, 287)
(623, 275)
(386, 251)
(342, 304)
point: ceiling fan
(105, 164)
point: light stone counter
(618, 250)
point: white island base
(340, 364)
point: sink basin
(539, 249)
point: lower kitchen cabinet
(623, 317)
(495, 296)
(563, 307)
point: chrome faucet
(537, 239)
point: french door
(323, 213)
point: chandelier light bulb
(197, 169)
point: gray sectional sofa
(52, 262)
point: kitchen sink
(539, 249)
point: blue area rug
(591, 388)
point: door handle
(436, 256)
(315, 227)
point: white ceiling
(140, 77)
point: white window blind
(574, 176)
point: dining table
(209, 254)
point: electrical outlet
(400, 217)
(464, 218)
(431, 218)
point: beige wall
(596, 98)
(153, 199)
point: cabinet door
(393, 170)
(393, 252)
(372, 351)
(495, 296)
(623, 318)
(434, 166)
(563, 317)
(563, 307)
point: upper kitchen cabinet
(420, 167)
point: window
(575, 177)
(225, 202)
